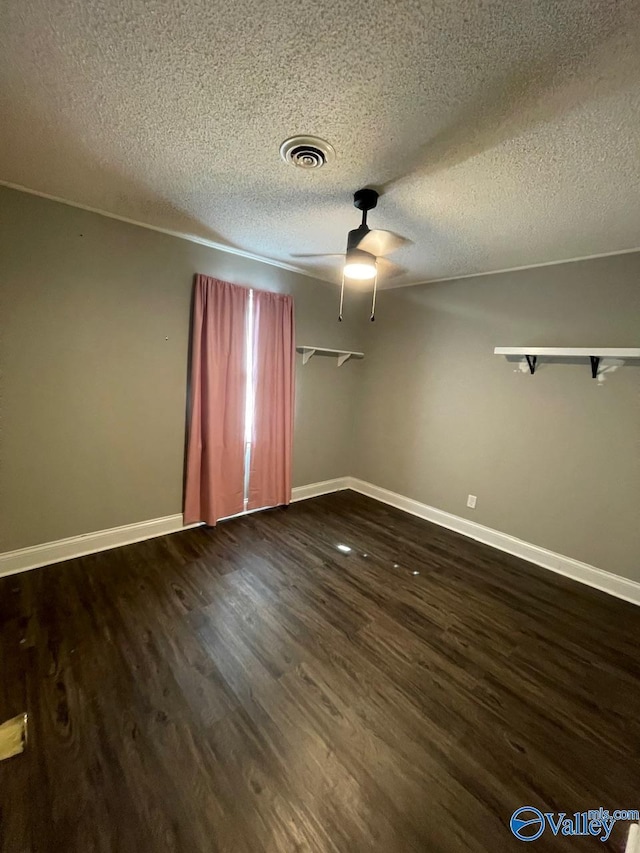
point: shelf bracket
(342, 358)
(532, 361)
(595, 364)
(306, 355)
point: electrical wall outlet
(471, 501)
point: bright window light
(249, 397)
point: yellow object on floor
(633, 842)
(13, 736)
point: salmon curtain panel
(215, 450)
(273, 380)
(240, 429)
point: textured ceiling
(502, 133)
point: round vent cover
(306, 152)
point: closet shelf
(594, 354)
(342, 355)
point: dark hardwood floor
(252, 688)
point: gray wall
(93, 355)
(553, 458)
(92, 394)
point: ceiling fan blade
(379, 242)
(325, 255)
(387, 269)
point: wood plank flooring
(254, 689)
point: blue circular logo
(527, 823)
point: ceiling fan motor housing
(365, 199)
(359, 256)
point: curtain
(215, 450)
(273, 382)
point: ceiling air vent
(306, 152)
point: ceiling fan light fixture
(359, 265)
(360, 272)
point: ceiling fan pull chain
(341, 298)
(373, 304)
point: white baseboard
(35, 556)
(584, 573)
(88, 543)
(314, 490)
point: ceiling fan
(367, 248)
